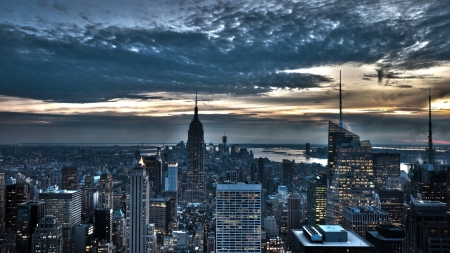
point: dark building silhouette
(308, 149)
(392, 202)
(29, 214)
(316, 200)
(153, 166)
(387, 239)
(427, 227)
(69, 178)
(195, 188)
(385, 165)
(103, 224)
(294, 215)
(2, 203)
(288, 171)
(106, 191)
(17, 192)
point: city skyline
(266, 72)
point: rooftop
(353, 240)
(240, 186)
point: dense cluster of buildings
(198, 197)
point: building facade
(47, 237)
(238, 222)
(195, 188)
(317, 200)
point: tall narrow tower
(430, 138)
(195, 191)
(340, 101)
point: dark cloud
(225, 47)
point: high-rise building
(392, 201)
(119, 231)
(352, 176)
(138, 192)
(317, 200)
(336, 136)
(2, 203)
(328, 239)
(430, 182)
(294, 215)
(159, 214)
(103, 224)
(238, 222)
(83, 238)
(387, 239)
(195, 189)
(69, 176)
(65, 205)
(270, 226)
(47, 237)
(106, 192)
(153, 165)
(308, 149)
(29, 214)
(288, 170)
(385, 165)
(172, 177)
(362, 219)
(427, 226)
(17, 192)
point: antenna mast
(340, 101)
(430, 138)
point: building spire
(196, 108)
(340, 101)
(430, 138)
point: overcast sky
(265, 71)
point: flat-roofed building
(362, 219)
(328, 239)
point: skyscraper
(294, 215)
(195, 190)
(69, 176)
(238, 222)
(29, 214)
(119, 231)
(16, 193)
(385, 165)
(138, 192)
(288, 170)
(171, 184)
(317, 200)
(103, 224)
(2, 203)
(47, 237)
(65, 205)
(351, 183)
(106, 196)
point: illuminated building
(288, 171)
(17, 192)
(47, 237)
(119, 231)
(195, 188)
(153, 166)
(65, 205)
(294, 215)
(28, 216)
(385, 165)
(138, 191)
(430, 182)
(427, 227)
(336, 136)
(362, 219)
(352, 179)
(103, 224)
(238, 217)
(159, 214)
(171, 184)
(83, 239)
(316, 200)
(392, 202)
(2, 202)
(106, 191)
(328, 239)
(69, 178)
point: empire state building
(195, 189)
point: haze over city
(265, 71)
